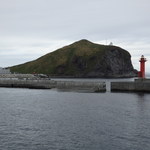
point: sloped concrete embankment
(81, 86)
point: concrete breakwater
(49, 84)
(81, 86)
(37, 84)
(17, 76)
(138, 85)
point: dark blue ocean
(63, 120)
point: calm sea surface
(55, 120)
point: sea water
(55, 120)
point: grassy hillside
(77, 59)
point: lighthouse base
(141, 74)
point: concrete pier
(36, 84)
(49, 84)
(138, 85)
(81, 86)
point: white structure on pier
(4, 71)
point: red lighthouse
(142, 67)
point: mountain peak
(83, 41)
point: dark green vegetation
(82, 59)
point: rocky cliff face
(82, 59)
(115, 62)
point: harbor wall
(82, 86)
(139, 85)
(49, 84)
(37, 84)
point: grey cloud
(27, 25)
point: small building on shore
(4, 71)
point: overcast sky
(32, 28)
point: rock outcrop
(82, 59)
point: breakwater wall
(31, 81)
(81, 86)
(36, 84)
(138, 85)
(49, 84)
(17, 76)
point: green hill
(81, 59)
